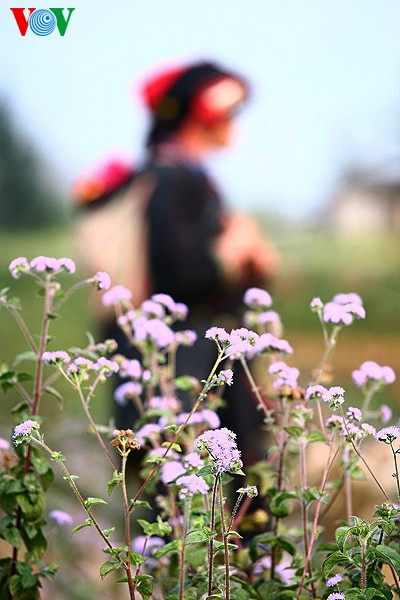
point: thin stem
(183, 551)
(396, 468)
(347, 482)
(24, 328)
(211, 542)
(225, 538)
(328, 467)
(22, 391)
(131, 584)
(94, 427)
(254, 388)
(363, 566)
(304, 506)
(69, 293)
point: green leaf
(108, 566)
(144, 586)
(204, 471)
(389, 556)
(108, 532)
(55, 393)
(142, 503)
(279, 507)
(315, 436)
(333, 560)
(341, 535)
(170, 548)
(12, 536)
(28, 355)
(87, 523)
(116, 480)
(195, 537)
(294, 431)
(136, 559)
(174, 446)
(158, 528)
(93, 501)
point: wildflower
(193, 459)
(186, 338)
(180, 311)
(148, 432)
(106, 367)
(286, 375)
(67, 264)
(191, 485)
(385, 412)
(239, 349)
(350, 298)
(257, 298)
(58, 357)
(335, 422)
(102, 280)
(354, 413)
(147, 546)
(352, 432)
(319, 392)
(165, 300)
(336, 596)
(336, 313)
(4, 444)
(153, 329)
(131, 368)
(23, 430)
(210, 417)
(221, 446)
(61, 517)
(370, 370)
(164, 403)
(218, 334)
(334, 580)
(130, 389)
(316, 304)
(268, 316)
(269, 343)
(115, 295)
(368, 429)
(225, 376)
(124, 440)
(171, 470)
(152, 308)
(19, 266)
(337, 396)
(388, 434)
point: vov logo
(41, 21)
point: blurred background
(316, 159)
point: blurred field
(314, 264)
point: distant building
(368, 201)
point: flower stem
(224, 532)
(211, 542)
(396, 469)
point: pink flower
(269, 343)
(24, 429)
(164, 403)
(153, 309)
(350, 298)
(106, 366)
(354, 413)
(385, 412)
(336, 596)
(221, 446)
(61, 517)
(102, 280)
(217, 333)
(165, 300)
(171, 470)
(193, 459)
(317, 391)
(286, 375)
(186, 338)
(370, 370)
(127, 390)
(131, 368)
(257, 298)
(388, 434)
(115, 295)
(225, 376)
(316, 304)
(19, 266)
(4, 444)
(191, 485)
(148, 432)
(210, 417)
(58, 357)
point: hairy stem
(211, 542)
(224, 532)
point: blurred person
(189, 244)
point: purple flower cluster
(371, 371)
(149, 431)
(23, 430)
(334, 395)
(285, 375)
(81, 367)
(350, 431)
(40, 264)
(257, 298)
(126, 391)
(102, 280)
(336, 596)
(342, 310)
(221, 446)
(224, 377)
(60, 517)
(116, 295)
(177, 309)
(58, 357)
(191, 485)
(334, 580)
(388, 434)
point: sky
(325, 76)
